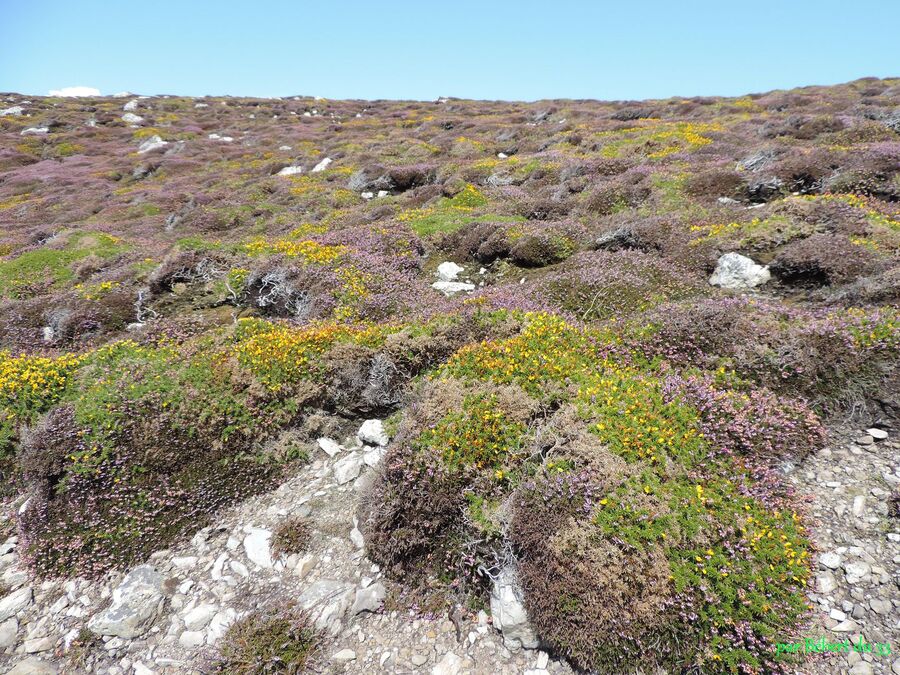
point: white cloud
(75, 91)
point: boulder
(290, 171)
(329, 446)
(136, 602)
(372, 433)
(508, 612)
(448, 271)
(738, 272)
(131, 118)
(15, 110)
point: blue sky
(520, 50)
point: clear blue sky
(422, 50)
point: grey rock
(830, 560)
(448, 271)
(344, 656)
(135, 604)
(451, 664)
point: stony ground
(228, 569)
(857, 593)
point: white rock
(8, 631)
(192, 639)
(321, 166)
(152, 143)
(502, 155)
(357, 538)
(201, 105)
(508, 612)
(239, 568)
(32, 666)
(368, 599)
(200, 616)
(367, 195)
(290, 170)
(131, 118)
(15, 602)
(451, 664)
(857, 571)
(327, 601)
(448, 271)
(348, 468)
(831, 560)
(543, 658)
(185, 563)
(859, 506)
(450, 288)
(739, 272)
(284, 147)
(372, 432)
(34, 131)
(69, 92)
(15, 110)
(141, 669)
(877, 434)
(305, 565)
(329, 446)
(220, 623)
(131, 105)
(256, 545)
(344, 656)
(135, 604)
(40, 644)
(373, 457)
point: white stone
(8, 631)
(15, 602)
(135, 604)
(32, 666)
(200, 616)
(34, 131)
(131, 105)
(152, 143)
(70, 92)
(543, 658)
(367, 195)
(857, 571)
(831, 560)
(368, 599)
(739, 272)
(15, 110)
(219, 624)
(448, 271)
(141, 669)
(185, 563)
(348, 468)
(450, 288)
(328, 601)
(321, 166)
(192, 639)
(373, 457)
(451, 664)
(131, 118)
(357, 538)
(372, 432)
(508, 612)
(239, 568)
(305, 564)
(877, 434)
(329, 447)
(290, 170)
(859, 506)
(344, 656)
(256, 545)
